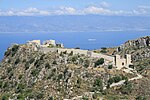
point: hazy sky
(74, 7)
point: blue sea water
(84, 40)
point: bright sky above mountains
(74, 7)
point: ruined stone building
(49, 42)
(121, 62)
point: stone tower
(128, 60)
(121, 62)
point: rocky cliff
(137, 43)
(139, 48)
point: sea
(83, 40)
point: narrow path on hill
(122, 81)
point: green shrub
(60, 76)
(31, 60)
(65, 52)
(69, 75)
(35, 72)
(78, 82)
(20, 77)
(10, 75)
(42, 57)
(140, 98)
(71, 53)
(37, 63)
(110, 66)
(27, 65)
(20, 88)
(98, 82)
(85, 98)
(54, 62)
(47, 65)
(9, 69)
(54, 70)
(98, 85)
(81, 60)
(61, 54)
(103, 51)
(8, 52)
(99, 62)
(1, 84)
(20, 97)
(127, 88)
(124, 78)
(117, 79)
(74, 58)
(5, 97)
(86, 63)
(9, 61)
(131, 66)
(14, 49)
(110, 81)
(50, 98)
(17, 61)
(114, 79)
(6, 85)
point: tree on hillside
(99, 62)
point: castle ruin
(117, 61)
(121, 62)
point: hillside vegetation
(29, 74)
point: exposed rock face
(143, 42)
(139, 48)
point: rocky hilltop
(29, 74)
(137, 43)
(139, 48)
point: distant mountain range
(73, 23)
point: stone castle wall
(98, 55)
(115, 60)
(79, 51)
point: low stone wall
(46, 50)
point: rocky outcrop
(139, 48)
(143, 42)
